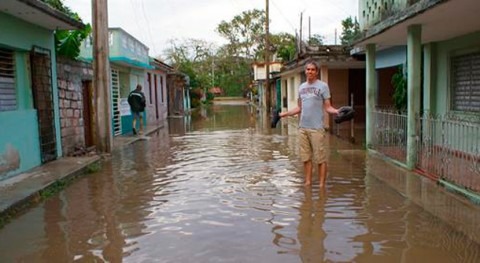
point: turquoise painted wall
(18, 34)
(129, 78)
(20, 132)
(444, 50)
(127, 123)
(21, 125)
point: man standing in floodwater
(314, 99)
(136, 100)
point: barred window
(8, 97)
(465, 82)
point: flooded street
(224, 187)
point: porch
(447, 146)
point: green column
(427, 77)
(371, 87)
(414, 60)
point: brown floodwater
(221, 186)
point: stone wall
(70, 80)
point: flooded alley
(221, 186)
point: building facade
(436, 43)
(29, 99)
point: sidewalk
(23, 190)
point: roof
(39, 13)
(440, 20)
(332, 56)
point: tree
(315, 40)
(192, 57)
(67, 42)
(283, 45)
(350, 31)
(245, 33)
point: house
(29, 104)
(342, 72)
(437, 45)
(263, 97)
(178, 94)
(129, 62)
(216, 91)
(157, 102)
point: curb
(43, 192)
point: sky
(156, 22)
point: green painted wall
(443, 52)
(21, 132)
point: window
(465, 82)
(8, 97)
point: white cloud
(154, 22)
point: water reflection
(310, 231)
(224, 187)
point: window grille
(8, 97)
(466, 82)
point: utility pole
(101, 77)
(267, 58)
(309, 28)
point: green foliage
(284, 46)
(210, 96)
(194, 58)
(399, 82)
(93, 167)
(315, 40)
(58, 5)
(245, 33)
(67, 42)
(350, 31)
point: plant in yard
(399, 82)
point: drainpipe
(371, 86)
(414, 60)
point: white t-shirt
(312, 97)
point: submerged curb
(33, 195)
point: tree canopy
(245, 33)
(350, 32)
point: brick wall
(70, 78)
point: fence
(390, 133)
(448, 148)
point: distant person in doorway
(314, 99)
(136, 100)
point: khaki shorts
(312, 145)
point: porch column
(324, 78)
(427, 77)
(414, 60)
(371, 99)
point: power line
(149, 32)
(284, 17)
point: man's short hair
(139, 86)
(312, 62)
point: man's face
(311, 72)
